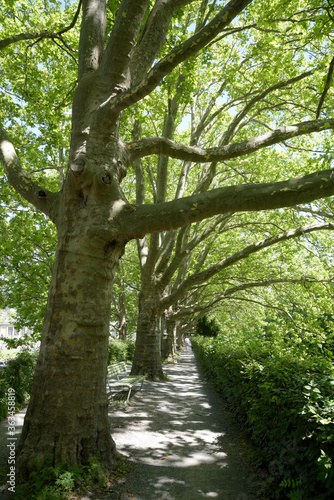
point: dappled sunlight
(176, 436)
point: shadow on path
(180, 444)
(177, 439)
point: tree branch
(92, 35)
(40, 34)
(176, 56)
(153, 37)
(228, 295)
(326, 88)
(162, 145)
(116, 59)
(140, 220)
(41, 198)
(230, 132)
(204, 276)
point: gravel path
(178, 441)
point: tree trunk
(147, 357)
(169, 339)
(67, 417)
(122, 316)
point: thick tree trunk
(147, 357)
(67, 417)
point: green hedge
(17, 375)
(120, 350)
(286, 402)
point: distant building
(7, 329)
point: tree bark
(169, 339)
(147, 358)
(122, 317)
(67, 416)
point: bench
(123, 380)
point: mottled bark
(67, 417)
(122, 318)
(169, 340)
(147, 358)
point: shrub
(286, 402)
(17, 375)
(56, 483)
(120, 350)
(207, 327)
(131, 350)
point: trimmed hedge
(286, 402)
(17, 375)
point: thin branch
(41, 34)
(230, 132)
(326, 88)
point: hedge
(286, 402)
(120, 350)
(17, 375)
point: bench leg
(129, 394)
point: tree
(207, 327)
(165, 257)
(123, 58)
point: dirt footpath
(179, 441)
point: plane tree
(220, 101)
(202, 286)
(284, 279)
(122, 55)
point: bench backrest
(116, 368)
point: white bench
(123, 380)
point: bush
(56, 483)
(207, 327)
(286, 403)
(120, 350)
(131, 350)
(17, 375)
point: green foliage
(17, 375)
(131, 350)
(120, 350)
(286, 402)
(26, 260)
(56, 483)
(207, 327)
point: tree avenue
(127, 51)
